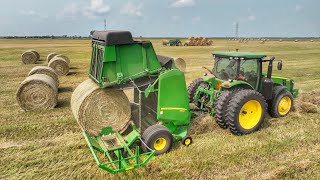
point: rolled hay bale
(95, 108)
(59, 65)
(51, 55)
(45, 70)
(165, 42)
(63, 57)
(191, 38)
(29, 57)
(37, 91)
(210, 42)
(37, 54)
(180, 64)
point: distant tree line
(45, 37)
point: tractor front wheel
(281, 105)
(246, 112)
(157, 137)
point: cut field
(49, 144)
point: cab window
(250, 70)
(224, 68)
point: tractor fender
(277, 90)
(235, 83)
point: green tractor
(160, 111)
(174, 42)
(238, 93)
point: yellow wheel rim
(160, 143)
(284, 105)
(250, 114)
(187, 142)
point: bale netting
(47, 71)
(63, 57)
(60, 66)
(29, 57)
(51, 55)
(180, 64)
(95, 108)
(37, 91)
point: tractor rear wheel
(221, 106)
(157, 137)
(192, 88)
(281, 105)
(246, 112)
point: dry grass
(49, 144)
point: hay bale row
(30, 57)
(37, 91)
(45, 70)
(59, 62)
(95, 108)
(198, 41)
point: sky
(162, 18)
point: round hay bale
(45, 70)
(308, 107)
(37, 91)
(95, 108)
(180, 64)
(29, 57)
(59, 65)
(165, 42)
(63, 57)
(37, 54)
(51, 55)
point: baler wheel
(187, 141)
(246, 112)
(157, 137)
(192, 88)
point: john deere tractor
(239, 94)
(159, 114)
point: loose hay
(59, 65)
(180, 64)
(63, 57)
(95, 108)
(37, 91)
(47, 71)
(29, 57)
(51, 55)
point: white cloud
(195, 19)
(183, 3)
(75, 10)
(299, 7)
(251, 18)
(175, 18)
(130, 9)
(33, 14)
(97, 8)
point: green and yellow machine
(160, 111)
(238, 93)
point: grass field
(49, 144)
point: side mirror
(279, 66)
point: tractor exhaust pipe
(270, 67)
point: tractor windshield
(224, 68)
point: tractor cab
(238, 66)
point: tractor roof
(245, 55)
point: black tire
(157, 133)
(192, 88)
(274, 104)
(221, 106)
(234, 109)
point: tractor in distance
(174, 42)
(238, 93)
